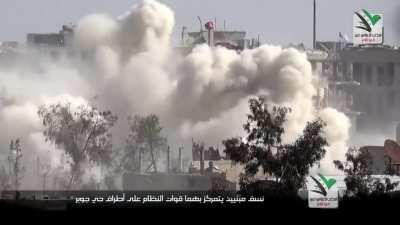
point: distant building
(377, 69)
(334, 87)
(384, 157)
(7, 47)
(235, 40)
(230, 39)
(361, 81)
(61, 39)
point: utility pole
(180, 159)
(168, 151)
(140, 160)
(202, 161)
(14, 165)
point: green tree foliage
(286, 164)
(144, 138)
(83, 133)
(358, 171)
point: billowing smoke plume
(129, 64)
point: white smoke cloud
(337, 135)
(130, 64)
(96, 30)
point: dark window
(390, 100)
(381, 76)
(340, 68)
(325, 67)
(390, 74)
(368, 74)
(368, 105)
(380, 109)
(357, 71)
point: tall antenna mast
(315, 21)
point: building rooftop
(389, 152)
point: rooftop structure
(231, 39)
(61, 39)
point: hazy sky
(276, 21)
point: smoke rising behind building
(130, 65)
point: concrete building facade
(377, 69)
(363, 82)
(64, 38)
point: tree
(16, 170)
(44, 170)
(358, 172)
(286, 164)
(5, 181)
(144, 139)
(84, 135)
(197, 149)
(60, 178)
(115, 168)
(389, 170)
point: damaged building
(8, 51)
(52, 44)
(361, 81)
(178, 179)
(63, 38)
(230, 39)
(377, 69)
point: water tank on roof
(209, 25)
